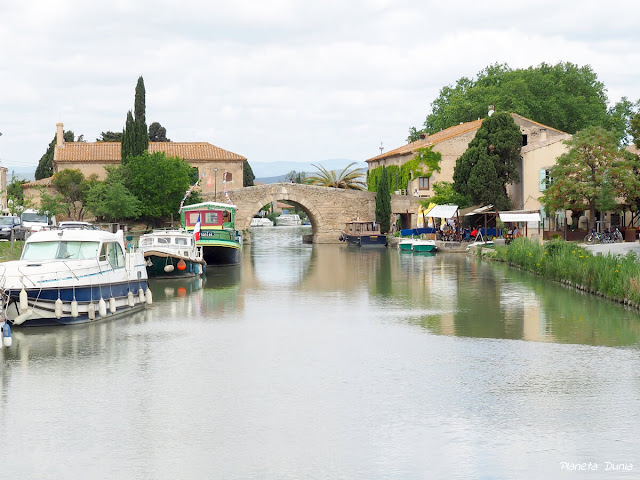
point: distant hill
(23, 173)
(273, 172)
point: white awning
(520, 216)
(478, 211)
(442, 211)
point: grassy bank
(614, 277)
(6, 251)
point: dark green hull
(161, 267)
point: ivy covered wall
(423, 164)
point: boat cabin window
(60, 250)
(164, 240)
(226, 217)
(112, 252)
(182, 241)
(146, 242)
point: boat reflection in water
(169, 288)
(74, 341)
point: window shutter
(543, 179)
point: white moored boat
(261, 222)
(288, 220)
(72, 276)
(171, 253)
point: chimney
(424, 136)
(543, 134)
(59, 135)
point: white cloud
(280, 79)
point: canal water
(332, 362)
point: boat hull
(424, 246)
(167, 266)
(220, 255)
(405, 246)
(42, 303)
(366, 240)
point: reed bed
(613, 276)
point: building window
(229, 177)
(545, 179)
(524, 140)
(423, 183)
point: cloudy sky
(281, 80)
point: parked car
(10, 224)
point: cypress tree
(383, 202)
(128, 139)
(140, 117)
(45, 165)
(247, 173)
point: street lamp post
(215, 185)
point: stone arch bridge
(328, 208)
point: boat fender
(141, 295)
(130, 301)
(24, 300)
(196, 269)
(112, 305)
(23, 317)
(168, 268)
(148, 296)
(6, 335)
(102, 307)
(58, 308)
(182, 265)
(91, 311)
(74, 308)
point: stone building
(541, 146)
(92, 157)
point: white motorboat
(261, 222)
(72, 276)
(171, 254)
(288, 220)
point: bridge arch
(328, 208)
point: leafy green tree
(110, 136)
(247, 174)
(14, 189)
(491, 162)
(45, 165)
(383, 202)
(634, 129)
(112, 201)
(620, 116)
(71, 187)
(157, 133)
(593, 160)
(444, 194)
(348, 178)
(53, 203)
(158, 181)
(296, 177)
(564, 96)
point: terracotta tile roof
(43, 182)
(432, 139)
(194, 151)
(109, 152)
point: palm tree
(348, 178)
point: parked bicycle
(608, 236)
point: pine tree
(383, 202)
